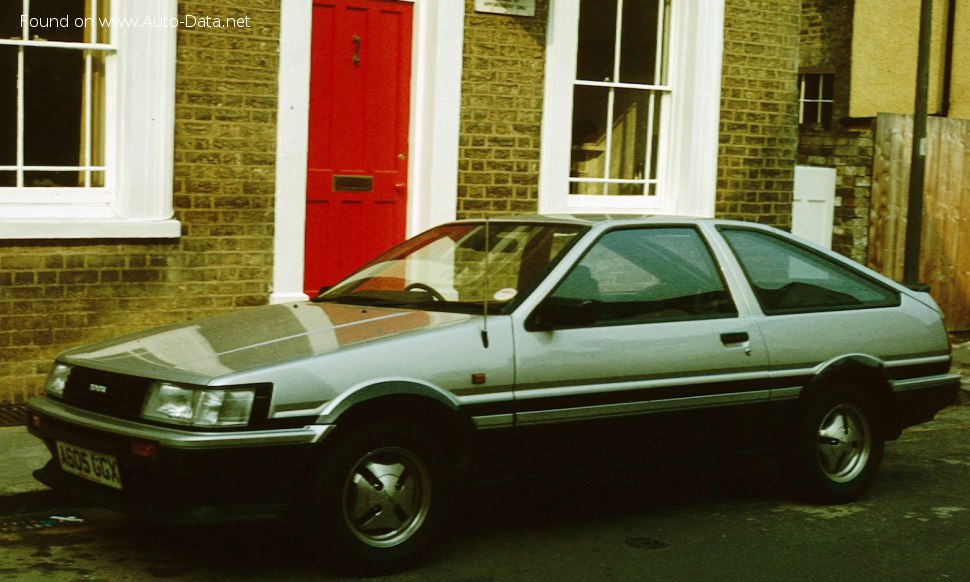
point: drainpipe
(917, 168)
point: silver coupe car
(482, 350)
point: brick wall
(759, 115)
(501, 112)
(847, 145)
(58, 294)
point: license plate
(89, 464)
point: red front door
(358, 135)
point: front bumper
(193, 477)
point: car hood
(200, 350)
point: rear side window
(788, 278)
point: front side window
(644, 276)
(787, 278)
(52, 62)
(619, 95)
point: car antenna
(488, 253)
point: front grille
(105, 392)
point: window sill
(93, 228)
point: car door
(639, 354)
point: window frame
(136, 201)
(658, 97)
(687, 168)
(818, 100)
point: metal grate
(13, 415)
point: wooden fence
(946, 209)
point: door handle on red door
(401, 187)
(738, 337)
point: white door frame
(433, 142)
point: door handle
(356, 58)
(737, 337)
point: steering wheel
(427, 289)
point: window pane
(828, 86)
(645, 275)
(810, 112)
(825, 115)
(587, 188)
(8, 106)
(52, 106)
(53, 179)
(631, 127)
(589, 132)
(810, 84)
(56, 19)
(597, 40)
(638, 51)
(94, 105)
(787, 278)
(10, 11)
(625, 189)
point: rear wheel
(839, 446)
(378, 498)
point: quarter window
(787, 278)
(646, 275)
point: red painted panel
(359, 106)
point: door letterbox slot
(353, 183)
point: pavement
(21, 454)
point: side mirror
(559, 313)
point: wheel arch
(404, 401)
(863, 371)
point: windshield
(459, 267)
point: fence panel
(946, 214)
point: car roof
(603, 219)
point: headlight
(57, 380)
(195, 406)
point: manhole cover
(646, 544)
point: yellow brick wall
(58, 294)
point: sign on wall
(512, 7)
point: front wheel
(839, 446)
(377, 499)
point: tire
(839, 446)
(377, 499)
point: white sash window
(86, 118)
(631, 106)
